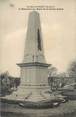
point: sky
(58, 31)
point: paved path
(64, 110)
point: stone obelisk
(34, 69)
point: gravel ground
(64, 110)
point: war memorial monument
(34, 69)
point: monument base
(36, 97)
(33, 94)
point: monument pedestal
(34, 83)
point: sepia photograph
(37, 58)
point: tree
(52, 71)
(51, 74)
(8, 83)
(63, 80)
(5, 82)
(72, 69)
(17, 82)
